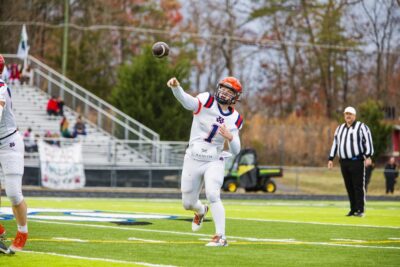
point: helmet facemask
(226, 95)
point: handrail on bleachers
(103, 114)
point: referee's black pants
(353, 172)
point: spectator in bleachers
(52, 139)
(64, 128)
(79, 127)
(52, 107)
(27, 76)
(29, 141)
(15, 74)
(60, 104)
(48, 138)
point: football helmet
(233, 85)
(2, 63)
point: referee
(353, 144)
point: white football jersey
(7, 123)
(207, 120)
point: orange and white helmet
(234, 85)
(2, 64)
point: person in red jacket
(15, 74)
(52, 106)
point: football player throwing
(215, 121)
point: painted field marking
(316, 223)
(248, 240)
(101, 216)
(254, 241)
(345, 239)
(235, 242)
(145, 240)
(96, 259)
(70, 239)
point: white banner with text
(61, 166)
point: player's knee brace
(213, 196)
(13, 184)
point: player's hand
(330, 164)
(368, 162)
(225, 133)
(173, 82)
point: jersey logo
(220, 119)
(12, 144)
(209, 102)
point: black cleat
(351, 213)
(5, 250)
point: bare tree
(380, 27)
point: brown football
(160, 49)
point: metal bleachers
(114, 140)
(29, 105)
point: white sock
(23, 229)
(199, 207)
(218, 214)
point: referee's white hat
(350, 110)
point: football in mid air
(160, 49)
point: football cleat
(351, 213)
(19, 241)
(197, 222)
(4, 249)
(217, 241)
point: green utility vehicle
(244, 172)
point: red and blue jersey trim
(239, 122)
(209, 102)
(198, 108)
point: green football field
(156, 232)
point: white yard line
(317, 223)
(97, 259)
(70, 239)
(251, 239)
(345, 239)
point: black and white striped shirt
(352, 142)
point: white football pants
(12, 165)
(192, 180)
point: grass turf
(260, 233)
